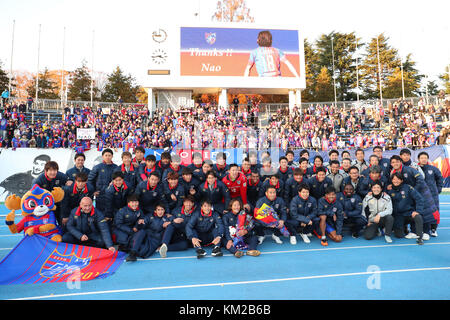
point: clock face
(159, 36)
(159, 56)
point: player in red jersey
(236, 182)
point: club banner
(37, 259)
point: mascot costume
(37, 208)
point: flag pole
(334, 80)
(37, 74)
(379, 73)
(62, 69)
(12, 54)
(92, 71)
(401, 67)
(403, 83)
(357, 72)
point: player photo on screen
(267, 58)
(239, 52)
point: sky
(120, 32)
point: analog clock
(159, 35)
(159, 56)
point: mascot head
(36, 201)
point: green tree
(411, 81)
(48, 89)
(344, 47)
(433, 88)
(312, 69)
(445, 77)
(324, 87)
(79, 87)
(4, 79)
(120, 85)
(370, 75)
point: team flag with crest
(36, 259)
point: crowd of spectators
(325, 127)
(319, 127)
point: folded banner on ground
(40, 260)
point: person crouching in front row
(87, 226)
(231, 220)
(377, 208)
(331, 216)
(204, 228)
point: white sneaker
(163, 250)
(293, 240)
(434, 233)
(261, 239)
(426, 236)
(305, 238)
(388, 239)
(309, 234)
(276, 239)
(412, 236)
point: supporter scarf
(137, 209)
(123, 169)
(124, 187)
(205, 215)
(174, 187)
(187, 213)
(147, 171)
(75, 189)
(207, 186)
(78, 212)
(148, 186)
(277, 186)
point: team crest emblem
(60, 264)
(210, 37)
(405, 175)
(430, 171)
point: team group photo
(223, 152)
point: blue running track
(282, 272)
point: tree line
(363, 66)
(356, 65)
(77, 85)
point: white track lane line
(309, 250)
(230, 283)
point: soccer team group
(143, 206)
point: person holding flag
(239, 234)
(270, 213)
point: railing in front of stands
(55, 105)
(268, 108)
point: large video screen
(239, 52)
